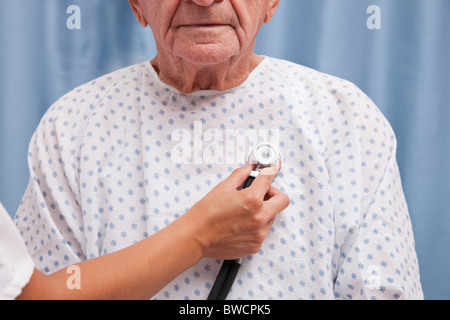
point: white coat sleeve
(16, 265)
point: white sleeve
(382, 263)
(51, 239)
(16, 265)
(378, 259)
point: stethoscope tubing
(230, 268)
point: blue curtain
(403, 66)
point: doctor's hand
(233, 223)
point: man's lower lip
(205, 25)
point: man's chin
(207, 54)
(207, 50)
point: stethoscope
(265, 156)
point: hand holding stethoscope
(265, 156)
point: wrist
(189, 233)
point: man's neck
(188, 77)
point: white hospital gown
(120, 158)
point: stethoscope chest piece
(266, 155)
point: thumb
(263, 181)
(238, 176)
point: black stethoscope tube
(224, 280)
(229, 270)
(263, 155)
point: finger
(262, 184)
(276, 201)
(238, 176)
(273, 191)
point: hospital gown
(120, 158)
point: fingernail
(269, 171)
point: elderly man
(144, 153)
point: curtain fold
(404, 67)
